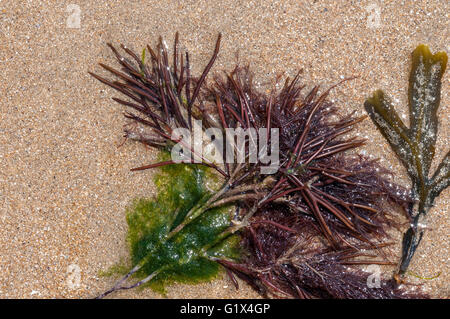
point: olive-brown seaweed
(415, 146)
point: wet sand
(65, 183)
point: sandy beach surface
(65, 183)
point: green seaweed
(415, 146)
(142, 62)
(188, 255)
(120, 268)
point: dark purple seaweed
(321, 204)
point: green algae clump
(186, 256)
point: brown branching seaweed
(306, 222)
(415, 146)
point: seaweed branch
(415, 146)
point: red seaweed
(305, 226)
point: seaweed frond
(415, 146)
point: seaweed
(415, 146)
(159, 257)
(313, 190)
(285, 265)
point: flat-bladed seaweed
(415, 146)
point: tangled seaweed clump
(299, 232)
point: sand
(65, 183)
